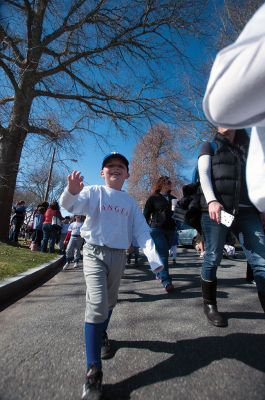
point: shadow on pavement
(187, 357)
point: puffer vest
(228, 172)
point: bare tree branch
(5, 38)
(156, 154)
(6, 99)
(9, 74)
(15, 4)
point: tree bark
(11, 144)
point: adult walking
(51, 227)
(75, 242)
(158, 214)
(17, 220)
(223, 184)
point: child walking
(112, 220)
(64, 230)
(75, 243)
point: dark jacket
(228, 172)
(157, 212)
(20, 212)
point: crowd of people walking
(47, 228)
(228, 196)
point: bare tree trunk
(11, 144)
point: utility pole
(50, 176)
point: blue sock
(93, 339)
(106, 322)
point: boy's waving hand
(75, 182)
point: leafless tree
(84, 60)
(156, 154)
(33, 186)
(233, 16)
(226, 20)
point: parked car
(187, 235)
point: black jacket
(157, 212)
(228, 172)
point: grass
(17, 259)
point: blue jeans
(248, 229)
(37, 236)
(49, 235)
(163, 241)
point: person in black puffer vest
(223, 185)
(158, 214)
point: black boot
(209, 304)
(249, 275)
(262, 299)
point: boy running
(113, 219)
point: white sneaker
(75, 265)
(66, 265)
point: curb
(12, 287)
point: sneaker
(66, 265)
(92, 389)
(169, 287)
(75, 265)
(106, 351)
(251, 282)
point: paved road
(165, 349)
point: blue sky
(90, 162)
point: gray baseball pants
(103, 269)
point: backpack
(188, 209)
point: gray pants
(73, 248)
(103, 269)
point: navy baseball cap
(114, 154)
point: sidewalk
(14, 287)
(164, 347)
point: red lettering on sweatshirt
(116, 209)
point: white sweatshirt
(235, 97)
(75, 228)
(113, 219)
